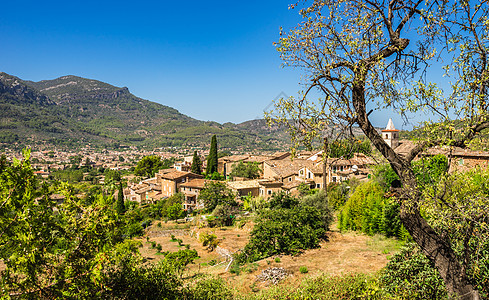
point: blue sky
(211, 60)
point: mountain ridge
(72, 111)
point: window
(269, 192)
(334, 169)
(341, 168)
(318, 185)
(461, 162)
(290, 179)
(190, 189)
(334, 178)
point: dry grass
(349, 252)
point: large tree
(196, 164)
(366, 55)
(148, 166)
(249, 170)
(212, 158)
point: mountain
(72, 111)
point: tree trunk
(325, 161)
(435, 247)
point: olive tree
(366, 55)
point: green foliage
(304, 189)
(112, 175)
(68, 175)
(209, 240)
(225, 214)
(212, 158)
(175, 211)
(120, 208)
(303, 269)
(216, 193)
(180, 259)
(215, 176)
(148, 166)
(283, 231)
(337, 194)
(252, 204)
(368, 211)
(250, 170)
(283, 200)
(161, 208)
(347, 286)
(277, 259)
(224, 153)
(345, 148)
(430, 170)
(196, 164)
(457, 208)
(321, 203)
(384, 175)
(410, 275)
(43, 250)
(209, 288)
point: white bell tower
(391, 135)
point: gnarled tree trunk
(436, 248)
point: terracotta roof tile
(195, 183)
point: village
(278, 172)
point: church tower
(391, 135)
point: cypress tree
(196, 164)
(212, 158)
(119, 206)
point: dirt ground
(349, 252)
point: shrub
(209, 240)
(134, 229)
(283, 200)
(410, 275)
(283, 231)
(319, 201)
(277, 259)
(209, 288)
(225, 214)
(368, 211)
(349, 286)
(175, 211)
(303, 269)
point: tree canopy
(367, 55)
(250, 170)
(148, 166)
(216, 193)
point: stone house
(244, 187)
(191, 190)
(268, 187)
(226, 164)
(171, 179)
(285, 170)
